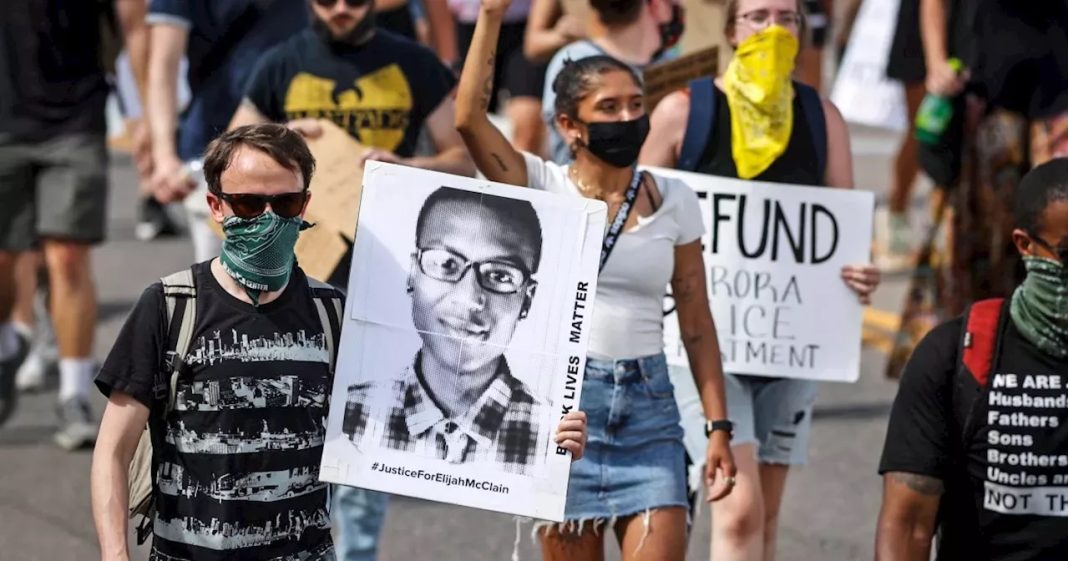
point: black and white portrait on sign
(471, 281)
(459, 329)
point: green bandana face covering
(258, 252)
(1040, 306)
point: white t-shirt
(628, 314)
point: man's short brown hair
(279, 142)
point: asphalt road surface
(829, 510)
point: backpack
(702, 119)
(180, 294)
(978, 352)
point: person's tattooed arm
(493, 154)
(908, 516)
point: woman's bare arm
(494, 155)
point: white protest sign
(862, 91)
(464, 340)
(773, 258)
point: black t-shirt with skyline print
(237, 472)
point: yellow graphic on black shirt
(375, 109)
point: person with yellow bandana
(756, 123)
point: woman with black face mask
(633, 476)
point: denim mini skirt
(635, 460)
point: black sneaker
(9, 396)
(76, 427)
(154, 222)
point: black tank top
(798, 164)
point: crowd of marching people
(423, 83)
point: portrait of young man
(471, 282)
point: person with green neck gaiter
(258, 252)
(258, 192)
(978, 434)
(1040, 305)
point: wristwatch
(719, 424)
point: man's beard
(355, 37)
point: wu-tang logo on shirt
(374, 109)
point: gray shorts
(773, 413)
(53, 189)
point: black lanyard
(612, 236)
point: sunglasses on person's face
(245, 205)
(349, 3)
(1060, 251)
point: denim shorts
(773, 413)
(634, 460)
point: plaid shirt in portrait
(506, 425)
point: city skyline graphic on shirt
(248, 392)
(261, 486)
(220, 535)
(217, 348)
(237, 441)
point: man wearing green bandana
(250, 401)
(977, 446)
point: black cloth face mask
(671, 31)
(618, 143)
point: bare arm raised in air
(494, 155)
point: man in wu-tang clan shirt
(380, 87)
(987, 465)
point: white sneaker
(76, 427)
(31, 375)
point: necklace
(585, 189)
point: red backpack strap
(979, 343)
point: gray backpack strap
(180, 293)
(328, 304)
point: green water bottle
(935, 112)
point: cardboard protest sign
(666, 77)
(464, 340)
(862, 91)
(319, 249)
(337, 182)
(335, 203)
(773, 256)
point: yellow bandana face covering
(761, 98)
